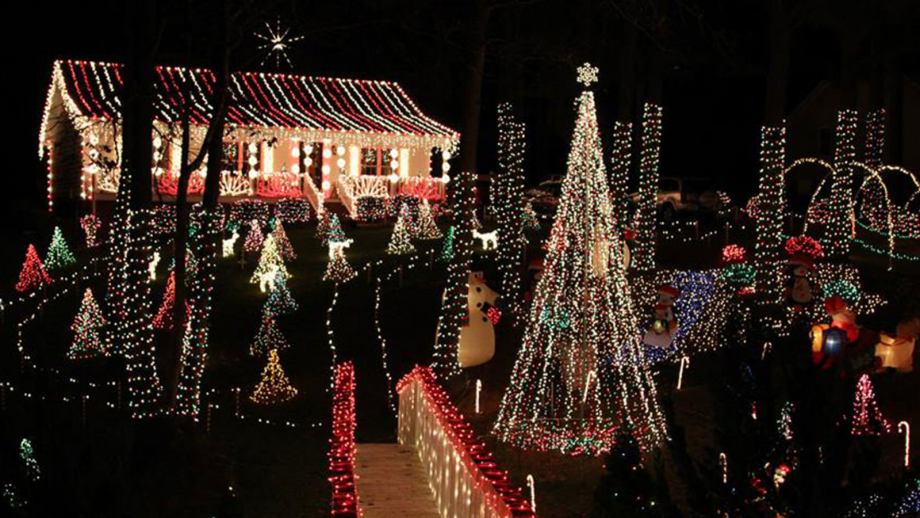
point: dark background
(714, 56)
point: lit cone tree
(867, 418)
(270, 262)
(274, 387)
(59, 256)
(33, 274)
(283, 243)
(427, 228)
(400, 240)
(508, 199)
(322, 226)
(254, 238)
(269, 337)
(279, 301)
(87, 328)
(334, 231)
(454, 311)
(338, 269)
(643, 255)
(580, 375)
(164, 317)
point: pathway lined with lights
(392, 482)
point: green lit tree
(59, 256)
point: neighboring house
(287, 135)
(811, 129)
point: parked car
(676, 195)
(545, 196)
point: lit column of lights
(49, 168)
(252, 160)
(157, 166)
(342, 448)
(454, 309)
(463, 475)
(326, 169)
(621, 159)
(771, 208)
(583, 334)
(508, 200)
(875, 137)
(340, 161)
(118, 243)
(839, 224)
(134, 331)
(866, 417)
(643, 253)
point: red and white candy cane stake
(904, 427)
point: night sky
(713, 86)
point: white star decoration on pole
(277, 43)
(587, 74)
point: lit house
(321, 138)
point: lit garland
(839, 224)
(462, 473)
(33, 274)
(867, 418)
(91, 225)
(274, 387)
(400, 243)
(457, 251)
(619, 170)
(342, 448)
(771, 209)
(87, 327)
(508, 196)
(580, 374)
(643, 255)
(49, 171)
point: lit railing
(463, 476)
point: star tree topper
(587, 74)
(277, 42)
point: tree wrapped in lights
(59, 256)
(867, 418)
(282, 242)
(619, 170)
(118, 236)
(87, 328)
(447, 246)
(33, 274)
(643, 255)
(91, 226)
(274, 387)
(400, 240)
(254, 238)
(459, 247)
(508, 197)
(427, 228)
(269, 337)
(580, 375)
(279, 301)
(338, 269)
(270, 263)
(771, 208)
(840, 218)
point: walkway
(392, 483)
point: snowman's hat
(834, 305)
(666, 289)
(803, 260)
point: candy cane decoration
(767, 347)
(904, 427)
(684, 362)
(584, 398)
(533, 499)
(478, 390)
(723, 461)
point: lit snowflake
(587, 74)
(277, 42)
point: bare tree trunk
(473, 95)
(778, 68)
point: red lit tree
(33, 273)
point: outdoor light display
(643, 251)
(87, 328)
(27, 455)
(338, 269)
(33, 274)
(508, 200)
(400, 242)
(274, 387)
(270, 264)
(426, 229)
(580, 372)
(342, 444)
(866, 417)
(293, 210)
(457, 251)
(269, 338)
(839, 224)
(164, 317)
(254, 239)
(285, 250)
(279, 301)
(59, 256)
(619, 170)
(91, 225)
(771, 210)
(462, 473)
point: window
(370, 158)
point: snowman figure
(799, 288)
(477, 336)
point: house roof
(343, 110)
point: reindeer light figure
(229, 244)
(489, 239)
(152, 267)
(336, 248)
(267, 279)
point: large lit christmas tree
(87, 328)
(274, 386)
(580, 375)
(400, 240)
(508, 199)
(59, 256)
(33, 274)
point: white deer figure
(489, 239)
(230, 243)
(152, 267)
(337, 248)
(267, 279)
